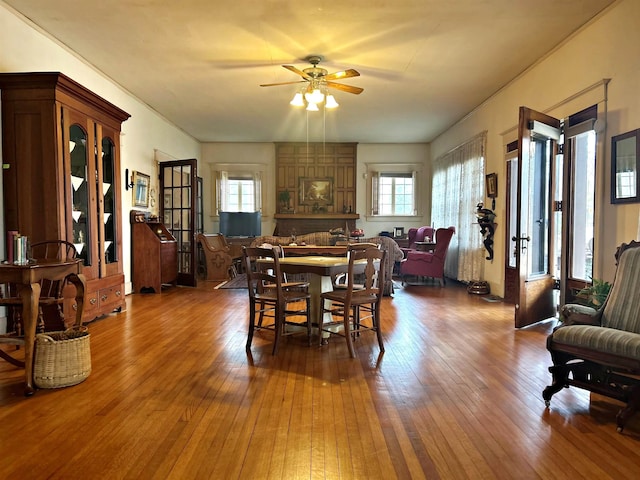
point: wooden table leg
(30, 295)
(80, 283)
(317, 285)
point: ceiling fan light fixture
(318, 81)
(308, 93)
(317, 96)
(330, 102)
(298, 100)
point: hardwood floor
(172, 394)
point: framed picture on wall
(141, 189)
(316, 191)
(492, 185)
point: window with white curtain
(457, 188)
(393, 193)
(239, 192)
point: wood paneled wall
(317, 160)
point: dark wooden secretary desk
(155, 255)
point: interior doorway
(178, 185)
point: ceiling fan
(318, 78)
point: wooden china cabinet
(61, 176)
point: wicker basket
(62, 358)
(478, 287)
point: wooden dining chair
(50, 302)
(340, 281)
(273, 306)
(356, 308)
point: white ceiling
(424, 64)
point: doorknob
(523, 245)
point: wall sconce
(128, 181)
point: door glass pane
(184, 252)
(177, 211)
(538, 211)
(583, 204)
(512, 171)
(556, 246)
(109, 200)
(80, 192)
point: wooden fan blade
(343, 74)
(283, 83)
(345, 88)
(297, 71)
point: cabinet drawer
(91, 305)
(110, 298)
(103, 301)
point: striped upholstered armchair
(599, 350)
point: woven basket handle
(75, 328)
(45, 337)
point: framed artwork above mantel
(316, 191)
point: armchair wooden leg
(627, 412)
(560, 375)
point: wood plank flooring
(173, 394)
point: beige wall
(608, 47)
(24, 48)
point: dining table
(28, 277)
(315, 250)
(321, 270)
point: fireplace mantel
(313, 222)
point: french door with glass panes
(178, 184)
(550, 207)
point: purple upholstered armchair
(428, 264)
(417, 235)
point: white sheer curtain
(458, 186)
(222, 181)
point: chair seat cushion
(420, 256)
(601, 339)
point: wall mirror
(625, 154)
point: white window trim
(373, 172)
(221, 171)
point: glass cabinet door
(109, 201)
(80, 191)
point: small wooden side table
(29, 277)
(425, 246)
